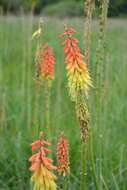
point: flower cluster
(46, 61)
(77, 71)
(63, 163)
(41, 165)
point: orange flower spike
(41, 166)
(63, 163)
(77, 71)
(48, 62)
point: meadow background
(107, 147)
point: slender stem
(28, 77)
(82, 117)
(84, 145)
(65, 183)
(93, 162)
(37, 85)
(47, 107)
(99, 81)
(36, 107)
(84, 166)
(88, 10)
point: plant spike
(77, 71)
(79, 83)
(37, 35)
(41, 166)
(63, 163)
(99, 78)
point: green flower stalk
(37, 35)
(88, 10)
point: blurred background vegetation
(59, 8)
(108, 147)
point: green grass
(17, 94)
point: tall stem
(28, 77)
(37, 84)
(84, 166)
(83, 115)
(47, 107)
(36, 107)
(88, 10)
(93, 171)
(83, 118)
(99, 81)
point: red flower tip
(68, 32)
(40, 157)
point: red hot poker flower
(41, 165)
(45, 60)
(48, 62)
(77, 71)
(63, 163)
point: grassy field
(107, 150)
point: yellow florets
(43, 179)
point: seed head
(83, 118)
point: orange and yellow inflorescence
(77, 71)
(63, 164)
(41, 166)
